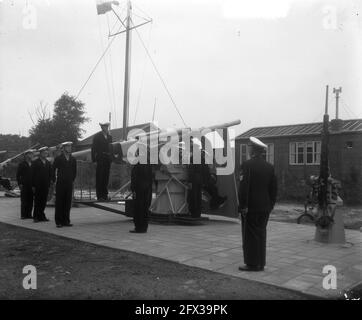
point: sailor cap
(67, 143)
(29, 151)
(43, 149)
(102, 124)
(256, 142)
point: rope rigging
(111, 102)
(95, 66)
(114, 111)
(111, 92)
(142, 80)
(159, 75)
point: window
(270, 153)
(305, 152)
(296, 153)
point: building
(294, 150)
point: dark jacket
(65, 170)
(24, 174)
(42, 174)
(101, 149)
(141, 177)
(198, 172)
(258, 187)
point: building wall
(345, 163)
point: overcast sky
(265, 64)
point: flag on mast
(104, 6)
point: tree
(44, 132)
(64, 125)
(13, 144)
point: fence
(84, 186)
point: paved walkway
(294, 260)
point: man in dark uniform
(24, 179)
(209, 184)
(101, 154)
(141, 186)
(65, 171)
(200, 178)
(41, 179)
(257, 197)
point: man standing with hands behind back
(65, 170)
(101, 154)
(24, 178)
(42, 177)
(257, 197)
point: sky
(263, 62)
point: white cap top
(257, 142)
(43, 149)
(104, 124)
(68, 143)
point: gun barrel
(160, 135)
(224, 125)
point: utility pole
(127, 71)
(337, 93)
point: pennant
(105, 6)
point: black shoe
(67, 225)
(251, 268)
(44, 220)
(36, 220)
(138, 231)
(59, 226)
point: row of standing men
(36, 176)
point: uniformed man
(209, 184)
(200, 178)
(141, 186)
(195, 178)
(257, 197)
(23, 177)
(41, 179)
(65, 171)
(101, 154)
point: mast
(324, 165)
(127, 71)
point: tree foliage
(64, 125)
(13, 142)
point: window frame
(316, 152)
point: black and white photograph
(182, 155)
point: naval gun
(170, 202)
(164, 148)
